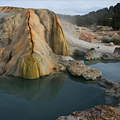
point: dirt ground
(72, 32)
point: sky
(67, 7)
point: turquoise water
(55, 95)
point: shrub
(105, 39)
(115, 39)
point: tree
(116, 22)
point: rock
(110, 44)
(117, 97)
(117, 90)
(34, 39)
(101, 112)
(108, 56)
(87, 37)
(78, 69)
(109, 90)
(107, 84)
(92, 55)
(117, 50)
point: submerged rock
(78, 69)
(101, 112)
(108, 84)
(31, 41)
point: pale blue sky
(71, 7)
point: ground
(72, 32)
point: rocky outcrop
(78, 69)
(113, 89)
(87, 37)
(101, 112)
(31, 42)
(110, 86)
(95, 55)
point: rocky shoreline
(100, 112)
(30, 52)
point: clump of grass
(106, 39)
(115, 39)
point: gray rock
(109, 90)
(109, 56)
(93, 55)
(117, 90)
(107, 84)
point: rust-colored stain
(3, 9)
(28, 12)
(57, 24)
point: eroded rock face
(87, 37)
(78, 69)
(101, 112)
(31, 41)
(117, 50)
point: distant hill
(103, 16)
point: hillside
(103, 16)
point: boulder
(33, 42)
(87, 37)
(100, 112)
(93, 55)
(76, 68)
(109, 44)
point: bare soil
(72, 32)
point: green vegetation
(116, 22)
(106, 39)
(115, 39)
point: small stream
(58, 94)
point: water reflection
(42, 89)
(92, 62)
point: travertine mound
(31, 42)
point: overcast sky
(69, 7)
